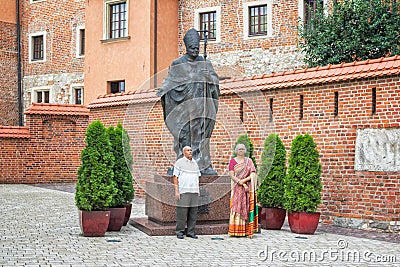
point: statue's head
(192, 43)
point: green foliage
(246, 141)
(272, 173)
(119, 139)
(95, 189)
(303, 180)
(354, 30)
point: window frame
(246, 19)
(35, 90)
(107, 19)
(109, 86)
(31, 47)
(301, 10)
(73, 89)
(79, 42)
(217, 10)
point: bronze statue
(189, 97)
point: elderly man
(186, 181)
(189, 97)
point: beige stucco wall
(7, 11)
(128, 59)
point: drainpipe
(155, 45)
(20, 104)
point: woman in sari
(243, 219)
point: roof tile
(57, 109)
(320, 74)
(14, 132)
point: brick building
(105, 47)
(52, 41)
(8, 64)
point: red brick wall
(8, 74)
(51, 153)
(349, 193)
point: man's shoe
(179, 236)
(193, 236)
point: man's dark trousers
(186, 210)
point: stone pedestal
(160, 206)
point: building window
(208, 21)
(311, 8)
(257, 19)
(41, 95)
(209, 18)
(117, 87)
(116, 19)
(308, 9)
(80, 42)
(37, 47)
(78, 95)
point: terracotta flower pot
(272, 218)
(117, 217)
(303, 222)
(127, 214)
(94, 223)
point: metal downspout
(20, 104)
(155, 44)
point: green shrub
(353, 30)
(119, 139)
(246, 141)
(303, 180)
(272, 173)
(95, 189)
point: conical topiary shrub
(271, 176)
(95, 189)
(303, 185)
(122, 176)
(123, 163)
(272, 173)
(246, 141)
(303, 180)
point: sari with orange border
(243, 219)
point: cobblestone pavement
(39, 227)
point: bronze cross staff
(205, 32)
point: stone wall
(46, 150)
(60, 85)
(8, 75)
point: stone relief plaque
(377, 150)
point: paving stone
(40, 227)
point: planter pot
(127, 214)
(117, 217)
(303, 222)
(272, 218)
(94, 223)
